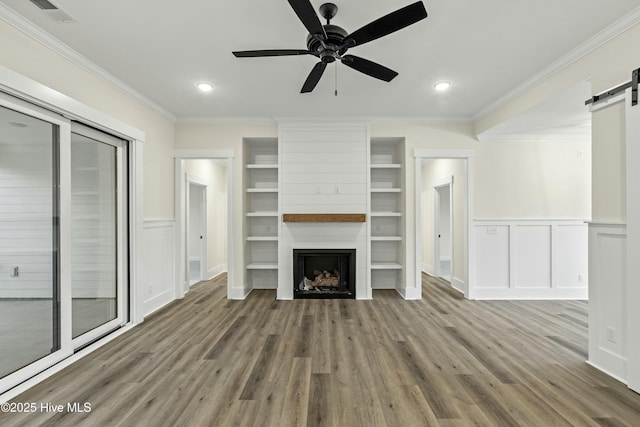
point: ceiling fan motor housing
(334, 40)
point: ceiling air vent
(44, 4)
(53, 11)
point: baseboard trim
(222, 268)
(530, 294)
(239, 293)
(410, 293)
(158, 301)
(606, 371)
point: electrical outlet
(580, 278)
(611, 334)
(14, 271)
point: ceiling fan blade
(313, 78)
(270, 52)
(389, 23)
(309, 17)
(369, 68)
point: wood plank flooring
(441, 361)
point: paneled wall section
(531, 259)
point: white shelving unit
(261, 212)
(387, 217)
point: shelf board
(386, 190)
(386, 238)
(386, 214)
(262, 166)
(386, 266)
(324, 217)
(386, 166)
(262, 238)
(262, 190)
(263, 214)
(262, 266)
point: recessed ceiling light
(442, 86)
(205, 87)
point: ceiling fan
(330, 42)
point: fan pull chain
(336, 73)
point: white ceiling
(161, 48)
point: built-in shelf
(386, 190)
(261, 213)
(262, 190)
(262, 166)
(386, 196)
(262, 266)
(386, 166)
(320, 217)
(262, 238)
(386, 266)
(384, 214)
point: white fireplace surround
(314, 179)
(322, 236)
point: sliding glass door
(98, 226)
(63, 238)
(29, 236)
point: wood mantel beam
(322, 217)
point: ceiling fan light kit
(330, 42)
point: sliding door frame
(122, 241)
(21, 92)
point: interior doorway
(204, 217)
(444, 216)
(443, 229)
(196, 232)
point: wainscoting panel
(541, 259)
(493, 259)
(158, 288)
(607, 322)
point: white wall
(214, 174)
(533, 180)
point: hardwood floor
(441, 361)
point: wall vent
(53, 11)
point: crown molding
(604, 36)
(27, 27)
(225, 120)
(325, 119)
(548, 137)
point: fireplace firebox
(324, 273)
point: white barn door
(633, 241)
